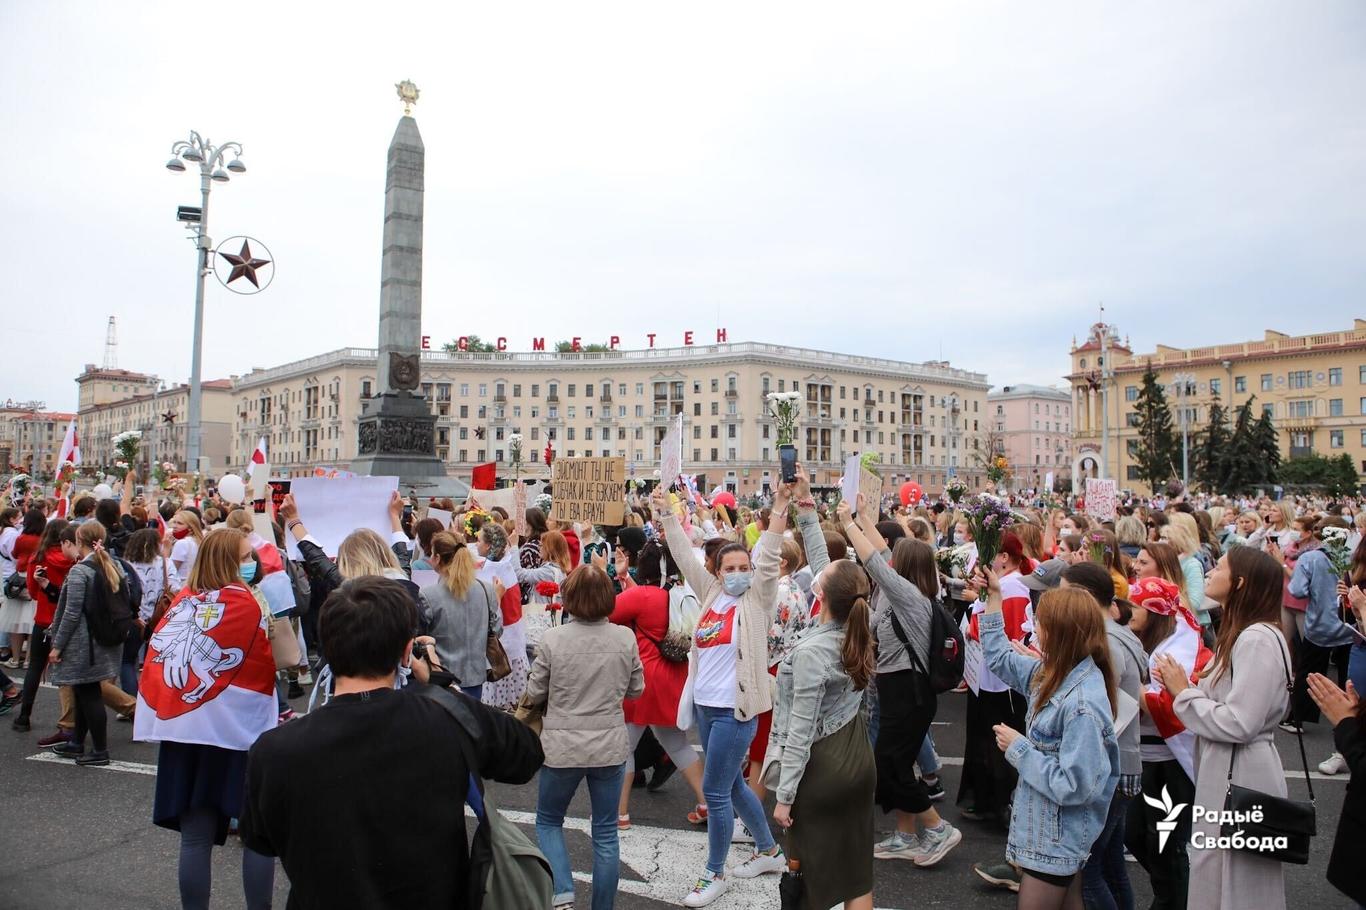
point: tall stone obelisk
(396, 432)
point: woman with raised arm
(728, 686)
(906, 578)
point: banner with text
(589, 490)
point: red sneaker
(61, 736)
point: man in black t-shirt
(363, 800)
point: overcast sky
(906, 180)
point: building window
(640, 410)
(1240, 383)
(1335, 439)
(1335, 375)
(1335, 407)
(1299, 379)
(1131, 419)
(1266, 382)
(730, 431)
(1130, 393)
(1300, 408)
(1215, 387)
(640, 388)
(715, 408)
(697, 431)
(1131, 472)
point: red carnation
(547, 588)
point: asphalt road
(83, 837)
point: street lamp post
(1183, 387)
(210, 159)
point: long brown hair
(1168, 565)
(844, 592)
(453, 561)
(1031, 535)
(1073, 630)
(1255, 595)
(216, 564)
(554, 548)
(90, 536)
(914, 561)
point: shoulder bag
(494, 653)
(284, 645)
(506, 868)
(162, 605)
(1282, 817)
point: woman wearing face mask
(965, 556)
(183, 543)
(1248, 530)
(202, 759)
(1233, 712)
(988, 779)
(728, 687)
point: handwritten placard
(870, 487)
(974, 658)
(1100, 498)
(589, 490)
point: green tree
(1211, 453)
(1242, 466)
(567, 347)
(1305, 471)
(1157, 447)
(472, 343)
(1341, 477)
(1268, 448)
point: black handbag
(1276, 827)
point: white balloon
(231, 488)
(103, 491)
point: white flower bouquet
(783, 406)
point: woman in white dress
(182, 544)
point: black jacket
(1345, 869)
(326, 578)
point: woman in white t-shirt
(182, 544)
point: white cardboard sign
(332, 509)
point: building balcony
(732, 393)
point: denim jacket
(1068, 761)
(1315, 580)
(815, 699)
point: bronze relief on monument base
(396, 436)
(404, 371)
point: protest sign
(590, 490)
(519, 508)
(506, 498)
(440, 515)
(849, 482)
(870, 486)
(332, 509)
(1048, 481)
(276, 490)
(1100, 498)
(671, 454)
(974, 658)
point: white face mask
(959, 538)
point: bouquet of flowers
(472, 525)
(952, 561)
(988, 518)
(20, 482)
(162, 472)
(543, 503)
(870, 461)
(126, 451)
(1096, 549)
(551, 590)
(956, 489)
(998, 470)
(515, 453)
(1336, 549)
(783, 407)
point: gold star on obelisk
(243, 266)
(407, 93)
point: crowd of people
(792, 654)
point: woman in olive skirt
(819, 747)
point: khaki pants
(114, 697)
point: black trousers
(1168, 868)
(1311, 659)
(90, 716)
(988, 779)
(39, 646)
(906, 708)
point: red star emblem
(243, 265)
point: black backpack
(947, 653)
(109, 615)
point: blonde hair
(241, 520)
(191, 521)
(1183, 533)
(215, 566)
(454, 563)
(792, 555)
(364, 552)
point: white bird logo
(1168, 824)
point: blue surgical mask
(247, 571)
(959, 538)
(736, 583)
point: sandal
(698, 816)
(624, 822)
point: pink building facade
(1032, 426)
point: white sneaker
(708, 888)
(934, 846)
(1333, 764)
(897, 846)
(741, 834)
(760, 864)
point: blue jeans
(1105, 878)
(725, 745)
(1356, 667)
(128, 666)
(928, 759)
(604, 789)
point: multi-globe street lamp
(214, 167)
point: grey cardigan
(71, 634)
(461, 627)
(1130, 664)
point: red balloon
(724, 498)
(910, 492)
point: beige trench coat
(1221, 714)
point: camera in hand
(420, 650)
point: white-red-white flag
(71, 446)
(257, 458)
